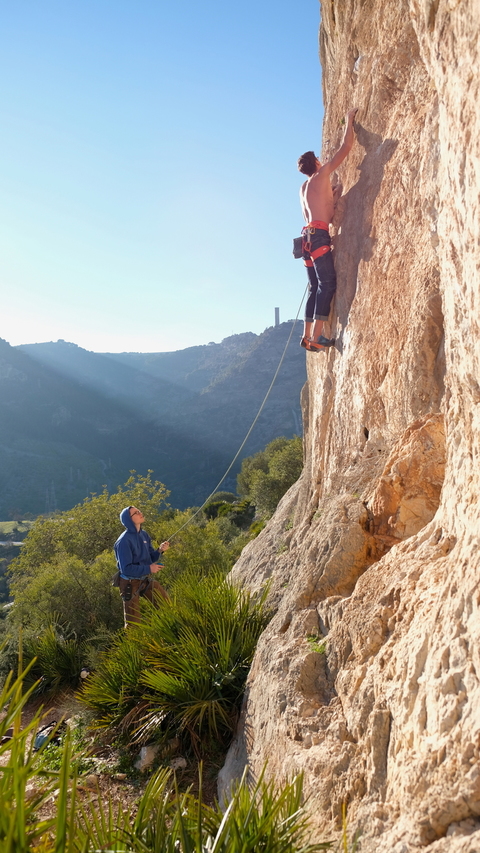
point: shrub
(228, 497)
(70, 592)
(197, 548)
(241, 513)
(265, 477)
(57, 658)
(257, 527)
(183, 669)
(211, 508)
(86, 530)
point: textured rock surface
(376, 548)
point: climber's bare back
(316, 196)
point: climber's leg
(327, 285)
(321, 279)
(312, 296)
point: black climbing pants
(322, 281)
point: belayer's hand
(154, 568)
(164, 546)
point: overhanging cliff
(376, 548)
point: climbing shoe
(321, 343)
(305, 343)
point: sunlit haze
(148, 189)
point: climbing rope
(232, 463)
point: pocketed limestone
(375, 550)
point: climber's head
(308, 163)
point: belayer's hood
(126, 519)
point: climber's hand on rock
(351, 115)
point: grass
(345, 845)
(165, 820)
(52, 752)
(317, 644)
(9, 527)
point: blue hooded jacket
(133, 549)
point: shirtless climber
(318, 199)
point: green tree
(64, 571)
(265, 477)
(198, 547)
(71, 592)
(86, 530)
(62, 576)
(227, 497)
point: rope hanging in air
(232, 463)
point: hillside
(73, 420)
(375, 551)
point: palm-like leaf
(184, 665)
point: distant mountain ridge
(72, 420)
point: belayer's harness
(143, 586)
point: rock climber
(137, 562)
(318, 199)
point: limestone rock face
(375, 551)
(407, 495)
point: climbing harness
(308, 231)
(128, 595)
(232, 463)
(304, 244)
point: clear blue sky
(148, 183)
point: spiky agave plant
(183, 669)
(113, 691)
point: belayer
(318, 199)
(137, 562)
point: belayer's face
(136, 516)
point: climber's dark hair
(307, 163)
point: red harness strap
(316, 254)
(317, 223)
(319, 252)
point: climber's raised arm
(346, 145)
